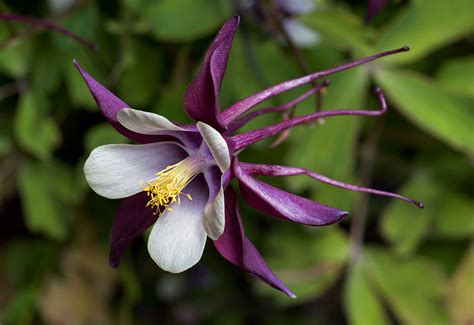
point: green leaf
(139, 82)
(308, 261)
(6, 141)
(447, 214)
(21, 308)
(457, 75)
(5, 145)
(185, 20)
(426, 25)
(43, 196)
(102, 134)
(15, 60)
(413, 288)
(461, 290)
(82, 22)
(429, 107)
(362, 304)
(330, 148)
(21, 256)
(35, 130)
(341, 28)
(170, 104)
(46, 72)
(454, 219)
(403, 225)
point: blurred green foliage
(411, 266)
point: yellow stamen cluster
(169, 183)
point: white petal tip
(145, 122)
(217, 145)
(214, 216)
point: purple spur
(176, 178)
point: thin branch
(38, 24)
(359, 218)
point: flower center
(169, 183)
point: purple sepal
(132, 219)
(201, 100)
(110, 105)
(235, 247)
(278, 203)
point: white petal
(145, 122)
(216, 144)
(178, 238)
(214, 216)
(116, 170)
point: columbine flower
(177, 177)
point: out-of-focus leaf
(362, 304)
(45, 71)
(308, 262)
(20, 257)
(45, 196)
(342, 29)
(21, 308)
(457, 75)
(137, 5)
(169, 103)
(460, 296)
(447, 214)
(185, 20)
(426, 25)
(404, 225)
(131, 283)
(5, 145)
(35, 130)
(6, 142)
(139, 82)
(82, 22)
(102, 134)
(329, 148)
(429, 107)
(15, 60)
(455, 218)
(413, 288)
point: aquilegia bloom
(177, 177)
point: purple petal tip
(114, 262)
(406, 48)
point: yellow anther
(169, 183)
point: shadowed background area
(386, 263)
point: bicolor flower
(176, 177)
